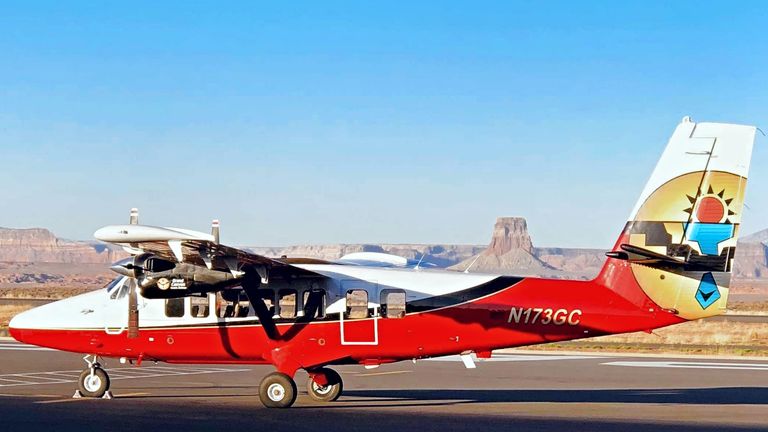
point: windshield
(115, 282)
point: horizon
(338, 123)
(535, 246)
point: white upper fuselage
(107, 310)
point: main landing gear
(324, 385)
(278, 390)
(94, 381)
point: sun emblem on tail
(712, 208)
(710, 224)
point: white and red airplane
(185, 298)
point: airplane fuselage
(444, 313)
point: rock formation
(510, 250)
(36, 245)
(510, 233)
(751, 261)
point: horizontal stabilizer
(651, 255)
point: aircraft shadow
(692, 396)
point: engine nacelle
(175, 286)
(160, 278)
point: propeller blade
(133, 310)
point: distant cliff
(36, 245)
(37, 257)
(751, 260)
(441, 255)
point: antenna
(134, 220)
(466, 270)
(215, 230)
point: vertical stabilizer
(681, 237)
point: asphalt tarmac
(515, 392)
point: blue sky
(326, 122)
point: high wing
(174, 262)
(199, 249)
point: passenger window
(357, 304)
(268, 297)
(314, 303)
(199, 307)
(174, 307)
(392, 303)
(232, 303)
(287, 303)
(225, 303)
(223, 307)
(241, 305)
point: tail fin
(681, 237)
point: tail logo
(708, 292)
(712, 207)
(713, 226)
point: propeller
(134, 269)
(136, 272)
(133, 309)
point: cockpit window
(117, 288)
(113, 283)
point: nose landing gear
(94, 381)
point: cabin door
(359, 320)
(114, 309)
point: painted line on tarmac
(519, 357)
(383, 373)
(692, 365)
(21, 347)
(71, 376)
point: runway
(528, 391)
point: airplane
(183, 297)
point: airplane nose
(17, 324)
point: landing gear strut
(324, 385)
(94, 381)
(277, 390)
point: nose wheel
(277, 390)
(324, 385)
(94, 381)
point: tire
(277, 390)
(328, 393)
(93, 386)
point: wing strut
(251, 285)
